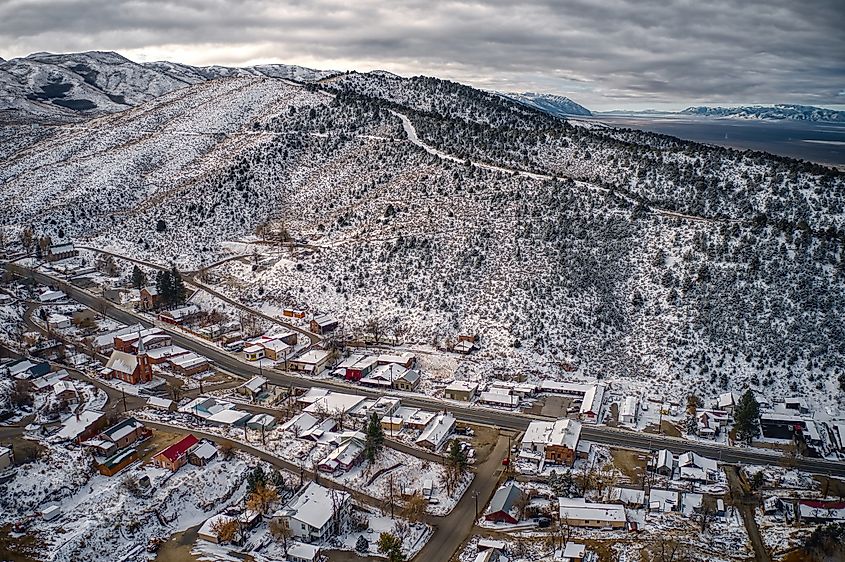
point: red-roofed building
(176, 455)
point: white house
(628, 411)
(316, 513)
(695, 467)
(547, 441)
(437, 431)
(592, 403)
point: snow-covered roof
(593, 400)
(629, 406)
(255, 383)
(158, 402)
(277, 346)
(108, 339)
(73, 427)
(692, 459)
(122, 362)
(437, 430)
(627, 495)
(667, 499)
(462, 386)
(151, 289)
(334, 402)
(312, 357)
(188, 360)
(48, 296)
(727, 399)
(207, 528)
(182, 312)
(665, 459)
(499, 399)
(314, 506)
(504, 498)
(64, 386)
(325, 320)
(265, 420)
(166, 352)
(122, 429)
(574, 389)
(401, 358)
(563, 432)
(228, 417)
(303, 421)
(205, 450)
(813, 509)
(578, 508)
(345, 454)
(573, 550)
(303, 551)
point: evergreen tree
(391, 546)
(375, 438)
(139, 278)
(164, 286)
(180, 292)
(747, 417)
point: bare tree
(280, 530)
(374, 328)
(27, 239)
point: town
(200, 426)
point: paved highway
(508, 420)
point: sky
(604, 54)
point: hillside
(69, 87)
(550, 103)
(639, 257)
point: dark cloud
(604, 54)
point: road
(747, 504)
(503, 419)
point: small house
(261, 421)
(323, 324)
(150, 299)
(438, 430)
(303, 552)
(461, 390)
(176, 455)
(254, 352)
(629, 410)
(82, 426)
(409, 381)
(253, 387)
(202, 454)
(189, 364)
(56, 252)
(125, 433)
(312, 362)
(181, 315)
(206, 531)
(502, 505)
(579, 513)
(571, 552)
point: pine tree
(180, 293)
(747, 417)
(139, 278)
(375, 438)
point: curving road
(508, 420)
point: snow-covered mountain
(66, 87)
(779, 112)
(653, 262)
(550, 103)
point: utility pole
(475, 494)
(123, 394)
(391, 496)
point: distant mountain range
(778, 112)
(550, 103)
(63, 86)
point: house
(27, 369)
(229, 417)
(578, 513)
(56, 252)
(384, 406)
(464, 347)
(125, 433)
(315, 513)
(629, 410)
(501, 508)
(346, 455)
(664, 462)
(323, 324)
(392, 424)
(571, 552)
(362, 368)
(293, 313)
(82, 426)
(176, 455)
(117, 462)
(51, 296)
(554, 442)
(189, 364)
(629, 497)
(58, 321)
(438, 430)
(499, 399)
(711, 422)
(51, 512)
(150, 299)
(691, 502)
(161, 403)
(206, 531)
(572, 390)
(418, 420)
(403, 359)
(254, 353)
(695, 467)
(202, 453)
(105, 343)
(264, 422)
(7, 458)
(253, 387)
(132, 369)
(276, 349)
(726, 402)
(663, 500)
(335, 403)
(287, 336)
(795, 404)
(592, 403)
(817, 511)
(66, 391)
(409, 381)
(461, 390)
(303, 552)
(312, 362)
(181, 315)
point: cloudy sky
(605, 54)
